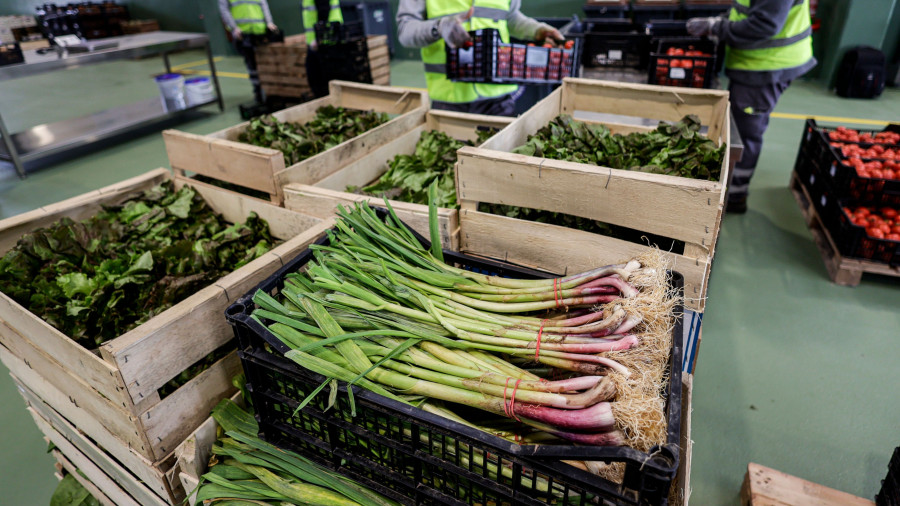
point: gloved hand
(545, 32)
(272, 27)
(452, 31)
(237, 34)
(699, 27)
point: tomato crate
(840, 175)
(855, 242)
(827, 133)
(417, 457)
(614, 43)
(686, 62)
(490, 60)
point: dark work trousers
(245, 48)
(500, 106)
(751, 106)
(315, 73)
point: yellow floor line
(195, 63)
(834, 119)
(236, 75)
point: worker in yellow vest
(247, 21)
(769, 44)
(313, 12)
(429, 24)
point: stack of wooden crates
(282, 65)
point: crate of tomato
(861, 165)
(490, 60)
(686, 62)
(869, 232)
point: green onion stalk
(378, 310)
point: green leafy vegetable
(96, 279)
(71, 493)
(330, 127)
(675, 149)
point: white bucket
(171, 89)
(198, 90)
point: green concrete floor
(794, 372)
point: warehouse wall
(869, 23)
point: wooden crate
(678, 208)
(117, 392)
(379, 59)
(64, 465)
(282, 67)
(220, 156)
(767, 487)
(322, 198)
(132, 481)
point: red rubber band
(512, 402)
(555, 294)
(537, 345)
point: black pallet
(418, 458)
(11, 53)
(614, 43)
(490, 60)
(842, 178)
(701, 74)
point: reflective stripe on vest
(248, 16)
(487, 14)
(311, 17)
(791, 47)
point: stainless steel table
(54, 138)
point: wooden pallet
(767, 487)
(684, 209)
(323, 198)
(219, 155)
(115, 392)
(842, 270)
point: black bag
(861, 73)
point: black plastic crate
(334, 33)
(842, 177)
(419, 458)
(853, 241)
(490, 60)
(10, 54)
(705, 9)
(825, 130)
(611, 9)
(614, 43)
(889, 495)
(692, 71)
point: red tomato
(895, 229)
(887, 212)
(863, 211)
(893, 237)
(874, 232)
(569, 44)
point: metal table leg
(11, 148)
(215, 78)
(165, 56)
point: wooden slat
(563, 250)
(645, 101)
(518, 131)
(193, 453)
(463, 126)
(44, 370)
(86, 483)
(145, 471)
(190, 485)
(74, 358)
(675, 207)
(384, 80)
(152, 354)
(384, 70)
(172, 419)
(764, 486)
(378, 52)
(374, 41)
(324, 202)
(241, 164)
(101, 470)
(316, 168)
(387, 99)
(370, 167)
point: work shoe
(736, 205)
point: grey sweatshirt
(414, 29)
(228, 19)
(765, 19)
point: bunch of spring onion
(245, 470)
(376, 309)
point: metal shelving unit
(53, 138)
